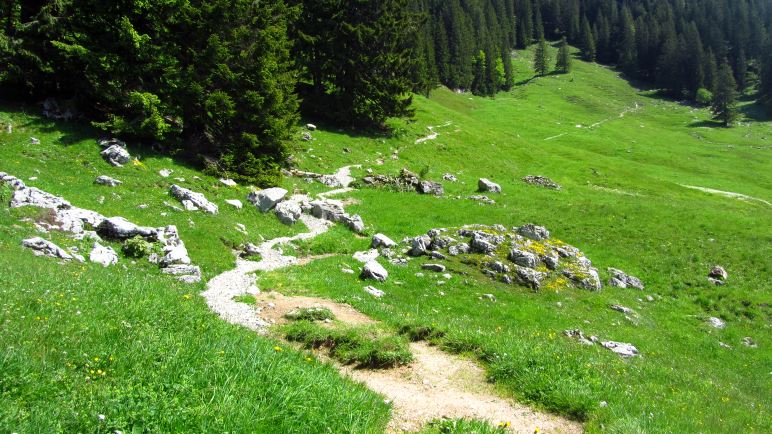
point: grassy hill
(623, 157)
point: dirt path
(729, 194)
(434, 386)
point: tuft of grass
(365, 346)
(463, 426)
(246, 299)
(310, 314)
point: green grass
(363, 346)
(622, 203)
(461, 426)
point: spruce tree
(563, 64)
(540, 58)
(588, 42)
(725, 98)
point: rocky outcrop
(534, 232)
(620, 279)
(103, 255)
(115, 152)
(405, 181)
(41, 247)
(191, 200)
(266, 200)
(374, 270)
(486, 185)
(621, 348)
(541, 181)
(288, 212)
(118, 228)
(430, 187)
(381, 240)
(718, 275)
(31, 196)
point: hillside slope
(624, 159)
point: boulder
(430, 187)
(327, 210)
(228, 182)
(250, 250)
(458, 249)
(523, 258)
(234, 203)
(719, 273)
(623, 309)
(439, 268)
(184, 273)
(266, 200)
(419, 245)
(192, 200)
(620, 279)
(497, 266)
(175, 255)
(353, 222)
(621, 348)
(374, 270)
(116, 155)
(119, 228)
(41, 247)
(450, 177)
(32, 196)
(104, 255)
(288, 212)
(484, 185)
(366, 256)
(165, 173)
(536, 233)
(311, 127)
(106, 180)
(530, 277)
(381, 240)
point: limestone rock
(716, 322)
(116, 155)
(288, 212)
(530, 277)
(374, 270)
(32, 196)
(353, 222)
(375, 292)
(450, 177)
(165, 173)
(265, 200)
(623, 309)
(536, 233)
(439, 268)
(106, 180)
(485, 184)
(381, 240)
(523, 258)
(541, 181)
(621, 348)
(104, 255)
(184, 273)
(119, 228)
(419, 245)
(430, 187)
(228, 182)
(718, 273)
(234, 203)
(189, 197)
(620, 279)
(41, 247)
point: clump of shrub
(704, 96)
(365, 346)
(310, 314)
(137, 247)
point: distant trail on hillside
(622, 114)
(729, 194)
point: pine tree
(765, 85)
(711, 71)
(588, 42)
(540, 58)
(628, 60)
(563, 64)
(725, 98)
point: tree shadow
(756, 110)
(707, 124)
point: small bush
(417, 332)
(310, 314)
(459, 426)
(704, 96)
(364, 346)
(137, 247)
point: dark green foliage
(137, 247)
(211, 79)
(725, 99)
(588, 42)
(765, 86)
(563, 63)
(359, 58)
(363, 346)
(541, 59)
(704, 96)
(310, 314)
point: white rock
(621, 348)
(374, 270)
(486, 185)
(120, 228)
(311, 127)
(375, 292)
(716, 322)
(288, 212)
(104, 255)
(381, 240)
(41, 247)
(31, 196)
(266, 199)
(197, 199)
(165, 173)
(366, 256)
(189, 205)
(235, 203)
(228, 182)
(116, 155)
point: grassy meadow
(162, 362)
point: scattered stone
(234, 203)
(458, 249)
(497, 266)
(523, 258)
(241, 228)
(307, 136)
(266, 199)
(430, 187)
(437, 255)
(347, 270)
(353, 222)
(541, 181)
(104, 255)
(374, 270)
(483, 199)
(579, 336)
(649, 298)
(381, 240)
(228, 182)
(420, 245)
(587, 277)
(288, 212)
(189, 205)
(197, 200)
(439, 268)
(748, 342)
(717, 323)
(184, 272)
(450, 177)
(165, 173)
(116, 155)
(250, 250)
(623, 309)
(143, 206)
(603, 404)
(621, 348)
(536, 233)
(34, 140)
(716, 282)
(311, 127)
(718, 275)
(41, 247)
(620, 279)
(723, 345)
(489, 297)
(484, 185)
(375, 292)
(366, 256)
(530, 277)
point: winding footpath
(435, 385)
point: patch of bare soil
(272, 306)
